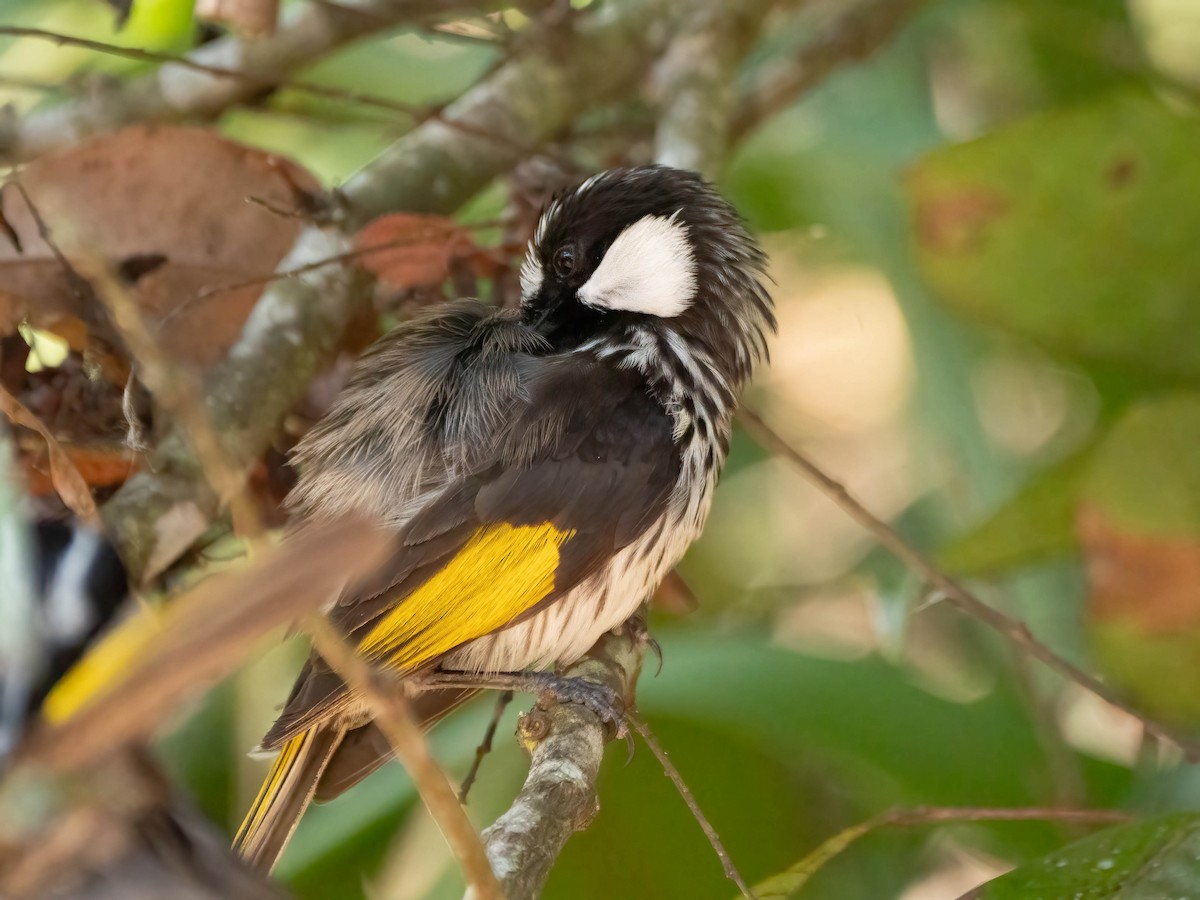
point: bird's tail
(285, 795)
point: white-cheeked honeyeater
(543, 468)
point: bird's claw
(602, 700)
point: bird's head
(654, 252)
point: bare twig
(335, 259)
(858, 30)
(253, 80)
(178, 396)
(503, 698)
(1067, 788)
(685, 792)
(80, 289)
(257, 82)
(394, 718)
(176, 392)
(216, 75)
(1012, 629)
(787, 883)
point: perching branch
(566, 742)
(237, 71)
(1012, 629)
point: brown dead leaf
(70, 485)
(413, 250)
(1151, 580)
(100, 465)
(206, 633)
(174, 195)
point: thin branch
(858, 30)
(1067, 787)
(503, 698)
(1012, 629)
(685, 792)
(338, 258)
(215, 76)
(178, 395)
(394, 718)
(787, 883)
(254, 81)
(175, 391)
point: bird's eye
(564, 261)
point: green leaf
(1070, 229)
(1145, 477)
(1151, 860)
(1140, 530)
(1158, 671)
(1035, 525)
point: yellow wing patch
(101, 665)
(501, 572)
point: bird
(119, 828)
(73, 589)
(542, 468)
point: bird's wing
(586, 463)
(423, 406)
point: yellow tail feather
(286, 792)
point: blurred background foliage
(984, 246)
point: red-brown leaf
(410, 250)
(174, 195)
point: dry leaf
(209, 631)
(414, 250)
(166, 205)
(100, 466)
(1151, 580)
(70, 485)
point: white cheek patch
(531, 275)
(648, 269)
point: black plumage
(79, 584)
